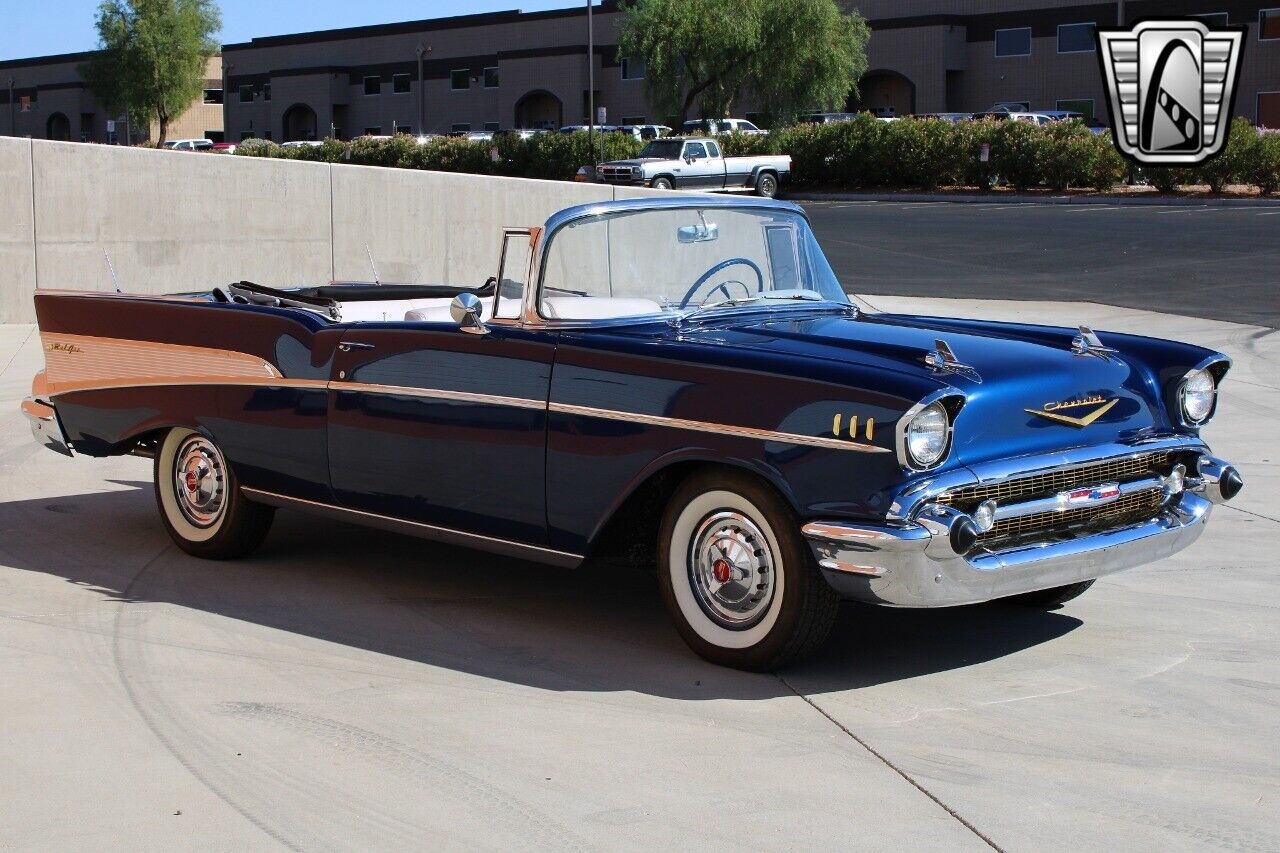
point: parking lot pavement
(1222, 263)
(345, 688)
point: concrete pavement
(345, 688)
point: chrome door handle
(349, 346)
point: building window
(459, 79)
(1214, 19)
(633, 69)
(213, 96)
(1084, 106)
(1075, 38)
(1014, 42)
(400, 84)
(372, 86)
(246, 94)
(373, 131)
(491, 78)
(1269, 110)
(1268, 24)
(460, 128)
(491, 126)
(266, 92)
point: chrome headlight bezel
(1214, 368)
(948, 403)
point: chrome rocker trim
(45, 427)
(930, 561)
(448, 535)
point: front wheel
(201, 503)
(662, 184)
(737, 577)
(767, 185)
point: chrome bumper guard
(930, 561)
(45, 427)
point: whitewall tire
(200, 501)
(736, 575)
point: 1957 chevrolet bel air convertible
(682, 382)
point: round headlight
(927, 435)
(1197, 395)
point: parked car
(884, 112)
(712, 127)
(302, 143)
(953, 118)
(188, 145)
(522, 133)
(679, 380)
(224, 147)
(645, 132)
(1062, 115)
(1040, 119)
(697, 164)
(827, 118)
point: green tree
(794, 55)
(153, 57)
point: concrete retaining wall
(172, 221)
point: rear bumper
(915, 564)
(45, 427)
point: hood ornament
(1088, 343)
(943, 360)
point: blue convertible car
(678, 382)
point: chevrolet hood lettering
(1053, 411)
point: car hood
(638, 161)
(1017, 371)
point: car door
(441, 425)
(697, 171)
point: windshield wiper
(772, 296)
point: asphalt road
(347, 689)
(1221, 263)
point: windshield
(663, 149)
(683, 261)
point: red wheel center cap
(193, 482)
(722, 570)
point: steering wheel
(725, 264)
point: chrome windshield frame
(532, 319)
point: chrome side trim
(550, 556)
(439, 394)
(717, 429)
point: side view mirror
(467, 311)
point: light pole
(591, 84)
(423, 50)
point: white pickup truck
(696, 163)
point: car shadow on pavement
(597, 629)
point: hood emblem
(1053, 411)
(1088, 343)
(943, 360)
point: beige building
(508, 69)
(45, 98)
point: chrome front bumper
(916, 564)
(45, 427)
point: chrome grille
(1018, 489)
(1129, 509)
(615, 174)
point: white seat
(596, 307)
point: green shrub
(918, 153)
(1107, 167)
(1167, 179)
(1016, 149)
(738, 144)
(1263, 170)
(1230, 166)
(257, 148)
(1065, 154)
(451, 154)
(967, 139)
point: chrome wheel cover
(200, 481)
(731, 570)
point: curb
(1158, 201)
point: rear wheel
(201, 503)
(662, 184)
(1052, 597)
(736, 575)
(767, 185)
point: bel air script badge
(1053, 411)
